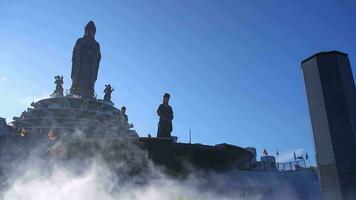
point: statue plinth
(68, 115)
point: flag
(265, 152)
(306, 156)
(295, 157)
(277, 153)
(300, 157)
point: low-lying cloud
(116, 168)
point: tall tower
(331, 97)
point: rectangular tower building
(331, 97)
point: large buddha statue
(85, 63)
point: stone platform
(68, 115)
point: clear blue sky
(232, 67)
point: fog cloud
(91, 168)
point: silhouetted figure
(108, 90)
(59, 86)
(85, 63)
(123, 113)
(125, 117)
(165, 114)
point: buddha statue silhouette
(85, 63)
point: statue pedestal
(66, 115)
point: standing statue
(124, 115)
(125, 118)
(59, 86)
(85, 63)
(108, 90)
(165, 114)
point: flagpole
(190, 136)
(305, 164)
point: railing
(291, 166)
(279, 166)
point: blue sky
(232, 67)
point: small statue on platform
(165, 114)
(108, 90)
(59, 86)
(125, 117)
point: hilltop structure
(51, 127)
(81, 111)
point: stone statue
(59, 86)
(165, 114)
(108, 90)
(85, 63)
(125, 118)
(124, 115)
